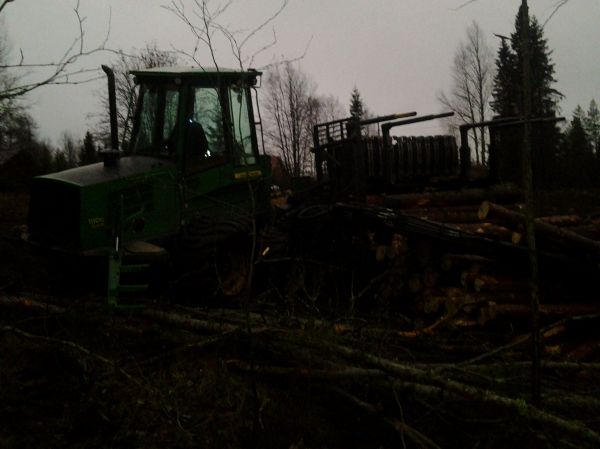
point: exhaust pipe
(112, 156)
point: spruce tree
(504, 93)
(356, 105)
(544, 97)
(577, 137)
(579, 114)
(577, 159)
(508, 102)
(507, 83)
(87, 154)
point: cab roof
(195, 72)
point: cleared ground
(272, 370)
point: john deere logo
(97, 222)
(248, 174)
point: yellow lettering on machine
(248, 174)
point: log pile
(487, 285)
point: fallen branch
(188, 323)
(31, 304)
(344, 329)
(70, 345)
(548, 330)
(437, 392)
(401, 427)
(197, 346)
(555, 366)
(517, 406)
(557, 310)
(308, 373)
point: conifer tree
(507, 86)
(577, 137)
(356, 105)
(505, 82)
(508, 101)
(577, 159)
(544, 97)
(87, 154)
(579, 114)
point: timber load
(461, 253)
(569, 252)
(447, 235)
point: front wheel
(212, 261)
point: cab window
(170, 121)
(242, 131)
(156, 132)
(205, 139)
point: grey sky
(397, 52)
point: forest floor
(272, 371)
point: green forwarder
(193, 161)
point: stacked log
(499, 194)
(484, 286)
(491, 230)
(547, 227)
(487, 287)
(457, 214)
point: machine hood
(99, 173)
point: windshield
(156, 127)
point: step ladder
(129, 271)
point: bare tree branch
(4, 4)
(61, 72)
(205, 24)
(557, 6)
(467, 3)
(296, 59)
(127, 91)
(269, 20)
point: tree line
(290, 98)
(18, 130)
(485, 87)
(18, 134)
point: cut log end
(484, 210)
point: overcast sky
(397, 52)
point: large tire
(212, 257)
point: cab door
(220, 153)
(250, 169)
(206, 158)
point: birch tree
(292, 109)
(472, 84)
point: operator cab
(198, 118)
